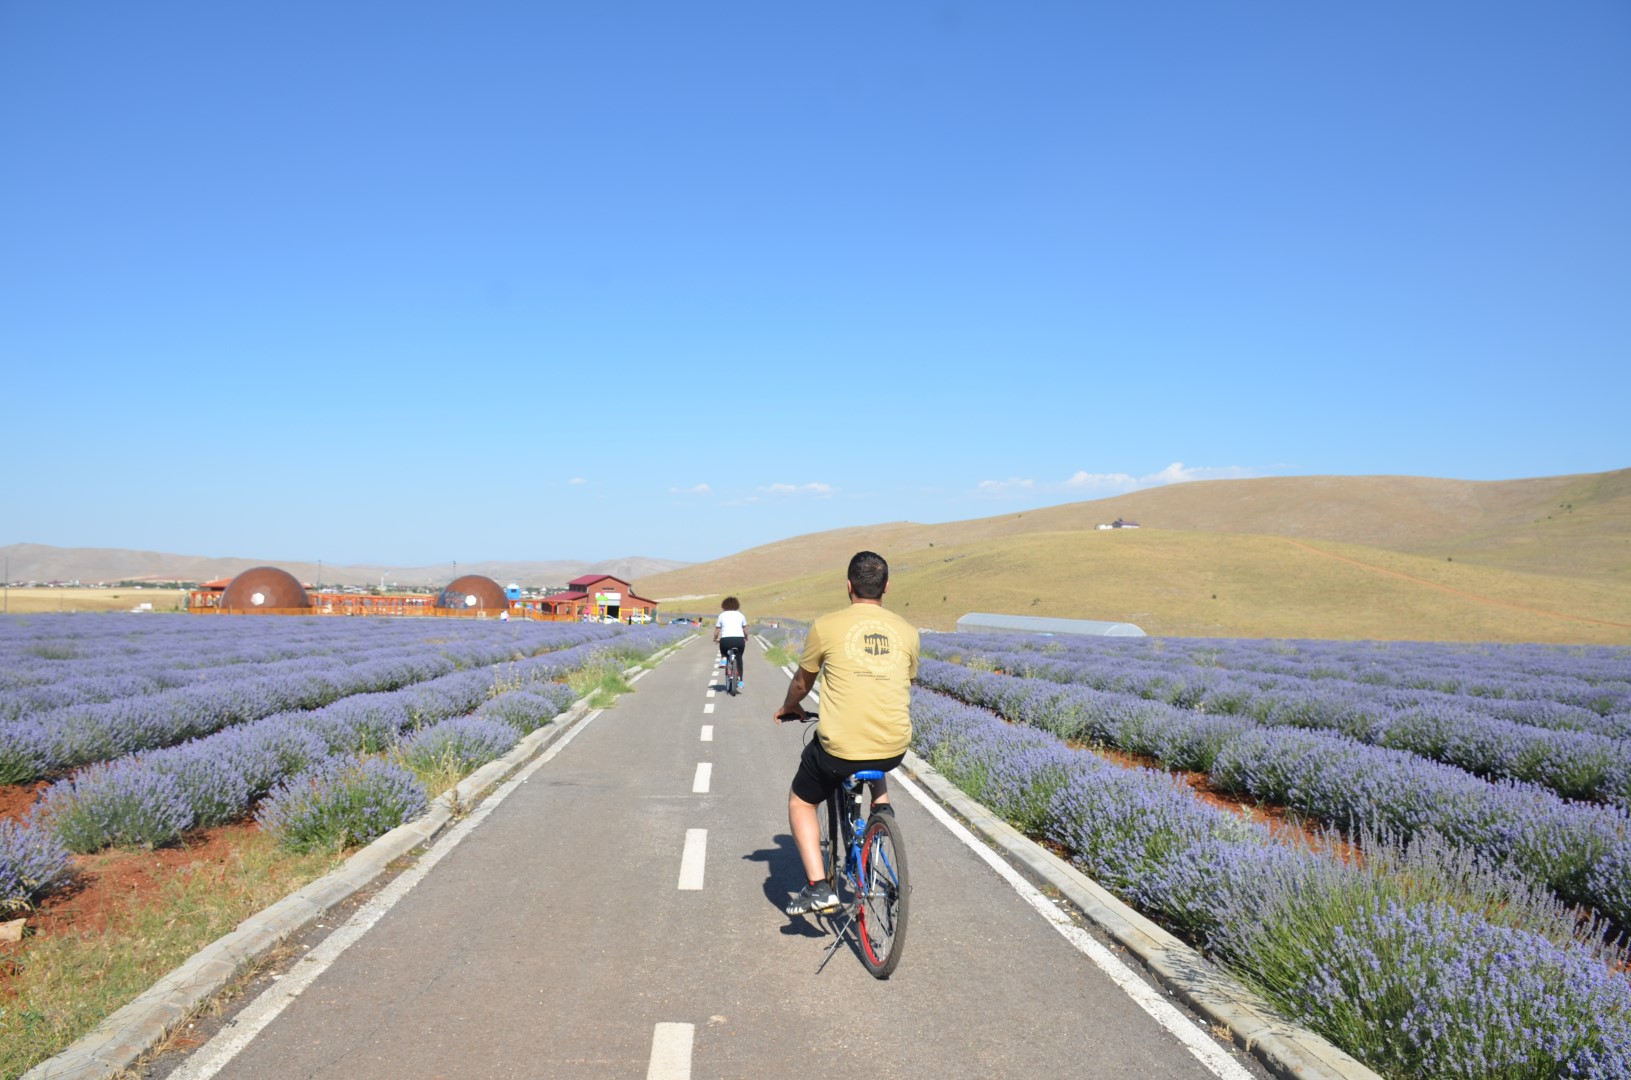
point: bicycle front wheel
(885, 888)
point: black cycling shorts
(820, 774)
(729, 644)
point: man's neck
(860, 600)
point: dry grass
(1197, 584)
(34, 601)
(66, 984)
(1346, 557)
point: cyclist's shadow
(786, 877)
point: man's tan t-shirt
(867, 658)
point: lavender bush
(528, 710)
(462, 744)
(32, 860)
(341, 803)
(1429, 991)
(123, 804)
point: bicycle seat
(866, 774)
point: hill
(39, 562)
(1372, 557)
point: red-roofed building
(595, 598)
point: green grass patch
(600, 683)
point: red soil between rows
(109, 883)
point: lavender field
(1480, 931)
(148, 728)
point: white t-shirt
(732, 624)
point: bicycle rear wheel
(832, 842)
(733, 673)
(882, 907)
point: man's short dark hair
(868, 574)
(730, 604)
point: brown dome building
(474, 593)
(265, 588)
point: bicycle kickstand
(839, 930)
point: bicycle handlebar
(810, 716)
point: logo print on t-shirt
(868, 646)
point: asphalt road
(567, 934)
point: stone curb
(1286, 1050)
(118, 1041)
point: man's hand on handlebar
(785, 714)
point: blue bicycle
(865, 862)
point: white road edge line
(671, 1052)
(707, 733)
(1143, 994)
(705, 775)
(215, 1054)
(693, 858)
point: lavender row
(1581, 851)
(1574, 764)
(148, 799)
(36, 675)
(1420, 962)
(1221, 673)
(62, 739)
(1596, 678)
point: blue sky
(409, 282)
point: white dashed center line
(671, 1052)
(696, 852)
(707, 733)
(705, 774)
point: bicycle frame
(853, 827)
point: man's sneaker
(817, 897)
(883, 808)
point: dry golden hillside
(1373, 557)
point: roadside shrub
(341, 803)
(31, 861)
(117, 805)
(461, 745)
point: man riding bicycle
(866, 658)
(731, 631)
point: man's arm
(800, 686)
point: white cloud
(699, 489)
(798, 489)
(577, 480)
